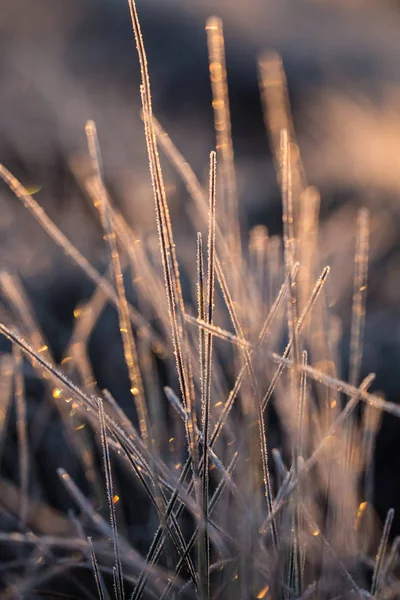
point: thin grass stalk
(14, 292)
(300, 324)
(358, 310)
(206, 387)
(277, 112)
(222, 125)
(22, 434)
(380, 557)
(129, 345)
(118, 579)
(390, 563)
(203, 543)
(167, 246)
(359, 295)
(96, 571)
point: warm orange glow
(360, 513)
(262, 594)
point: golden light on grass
(263, 593)
(361, 510)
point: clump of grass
(253, 509)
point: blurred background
(63, 62)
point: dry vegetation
(238, 506)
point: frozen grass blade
(129, 345)
(308, 240)
(372, 419)
(297, 571)
(184, 170)
(195, 190)
(390, 564)
(85, 506)
(96, 572)
(201, 308)
(19, 302)
(289, 246)
(157, 544)
(167, 247)
(118, 580)
(22, 434)
(300, 324)
(380, 557)
(358, 311)
(206, 378)
(223, 334)
(258, 253)
(342, 386)
(276, 107)
(289, 254)
(222, 124)
(201, 485)
(359, 295)
(301, 410)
